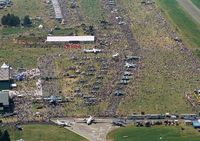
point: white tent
(4, 66)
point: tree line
(4, 136)
(12, 20)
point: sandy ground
(93, 132)
(191, 9)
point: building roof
(70, 38)
(4, 97)
(4, 74)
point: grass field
(196, 2)
(132, 133)
(165, 74)
(91, 10)
(43, 132)
(189, 30)
(33, 8)
(18, 56)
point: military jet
(63, 123)
(94, 50)
(119, 93)
(53, 99)
(131, 58)
(129, 65)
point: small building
(70, 39)
(4, 101)
(5, 81)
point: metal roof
(57, 10)
(70, 38)
(4, 74)
(4, 98)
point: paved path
(191, 9)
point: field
(132, 133)
(196, 2)
(42, 132)
(164, 76)
(18, 44)
(18, 56)
(91, 10)
(189, 30)
(33, 8)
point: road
(191, 9)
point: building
(4, 101)
(70, 39)
(5, 81)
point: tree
(4, 20)
(5, 136)
(27, 21)
(10, 20)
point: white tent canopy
(4, 66)
(70, 39)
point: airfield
(111, 59)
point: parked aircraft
(53, 99)
(129, 65)
(94, 50)
(63, 123)
(90, 120)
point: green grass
(92, 11)
(196, 2)
(18, 56)
(165, 73)
(189, 30)
(11, 30)
(26, 7)
(33, 8)
(43, 132)
(133, 133)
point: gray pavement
(93, 132)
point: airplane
(90, 120)
(92, 50)
(63, 123)
(53, 99)
(128, 65)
